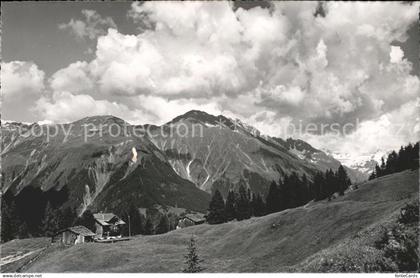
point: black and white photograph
(239, 137)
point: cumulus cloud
(387, 132)
(74, 78)
(92, 26)
(22, 83)
(66, 107)
(288, 63)
(319, 68)
(21, 79)
(396, 55)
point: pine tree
(243, 208)
(391, 163)
(414, 157)
(372, 175)
(272, 200)
(163, 226)
(87, 219)
(316, 186)
(68, 218)
(331, 185)
(148, 227)
(257, 204)
(9, 218)
(291, 185)
(136, 221)
(378, 171)
(304, 190)
(282, 194)
(192, 261)
(230, 211)
(216, 212)
(383, 170)
(50, 222)
(23, 230)
(342, 180)
(173, 221)
(403, 158)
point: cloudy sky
(270, 65)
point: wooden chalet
(108, 225)
(73, 235)
(191, 219)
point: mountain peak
(102, 119)
(220, 120)
(196, 115)
(201, 116)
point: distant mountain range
(178, 164)
(364, 164)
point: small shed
(191, 219)
(108, 225)
(73, 235)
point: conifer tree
(216, 212)
(319, 186)
(192, 261)
(414, 157)
(257, 204)
(22, 230)
(304, 190)
(163, 226)
(136, 221)
(291, 186)
(272, 200)
(403, 158)
(378, 171)
(383, 167)
(331, 183)
(86, 220)
(391, 163)
(243, 208)
(301, 190)
(230, 211)
(282, 195)
(342, 180)
(50, 222)
(68, 217)
(149, 227)
(9, 218)
(372, 175)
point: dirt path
(16, 257)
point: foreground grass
(17, 253)
(300, 239)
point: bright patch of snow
(364, 163)
(134, 158)
(300, 154)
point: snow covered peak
(364, 163)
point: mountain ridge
(229, 153)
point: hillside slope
(283, 241)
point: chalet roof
(106, 219)
(196, 217)
(80, 230)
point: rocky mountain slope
(102, 172)
(218, 152)
(177, 164)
